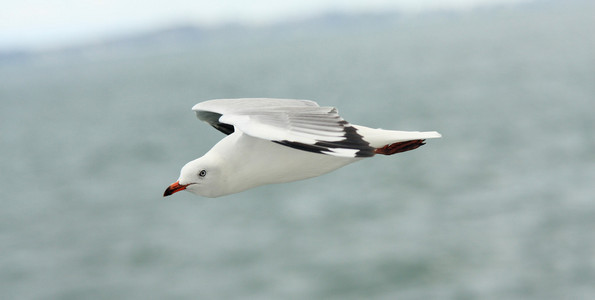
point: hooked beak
(174, 188)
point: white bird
(281, 140)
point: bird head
(199, 177)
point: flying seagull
(281, 140)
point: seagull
(281, 140)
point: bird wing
(299, 124)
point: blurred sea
(502, 207)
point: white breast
(249, 162)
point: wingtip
(196, 106)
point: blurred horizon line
(98, 35)
(192, 32)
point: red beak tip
(174, 188)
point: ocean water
(502, 207)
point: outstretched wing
(299, 124)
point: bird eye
(202, 173)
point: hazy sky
(53, 22)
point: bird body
(280, 140)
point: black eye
(202, 173)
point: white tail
(389, 142)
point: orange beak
(174, 188)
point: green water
(502, 207)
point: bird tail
(388, 142)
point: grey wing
(299, 124)
(213, 119)
(212, 110)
